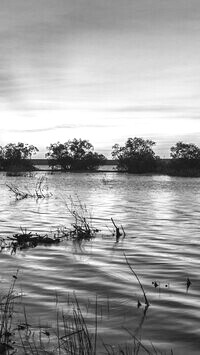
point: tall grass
(6, 318)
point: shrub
(76, 154)
(16, 157)
(136, 156)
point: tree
(17, 152)
(17, 156)
(136, 156)
(76, 154)
(185, 159)
(185, 151)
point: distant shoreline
(110, 166)
(107, 161)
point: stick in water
(142, 288)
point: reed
(82, 224)
(71, 333)
(6, 318)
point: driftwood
(117, 231)
(25, 240)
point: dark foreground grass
(71, 333)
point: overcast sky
(102, 70)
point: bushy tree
(17, 152)
(185, 151)
(76, 154)
(136, 156)
(17, 156)
(185, 159)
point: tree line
(135, 156)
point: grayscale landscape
(99, 177)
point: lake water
(161, 218)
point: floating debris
(188, 284)
(26, 240)
(117, 232)
(41, 190)
(155, 284)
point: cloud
(133, 112)
(37, 130)
(147, 108)
(103, 60)
(76, 49)
(56, 127)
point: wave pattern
(161, 218)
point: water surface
(161, 218)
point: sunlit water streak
(161, 218)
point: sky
(102, 70)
